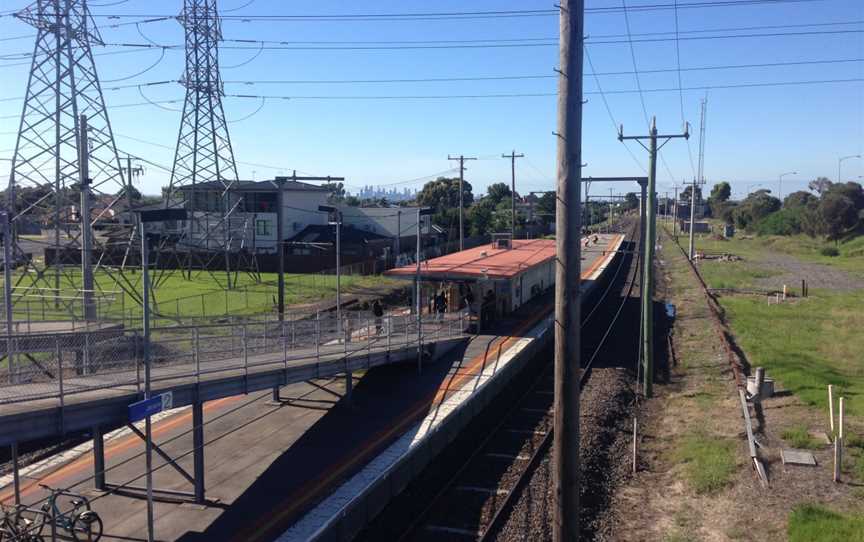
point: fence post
(59, 353)
(245, 358)
(284, 347)
(86, 352)
(318, 336)
(197, 355)
(137, 362)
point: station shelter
(491, 280)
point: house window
(262, 227)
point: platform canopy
(482, 262)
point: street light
(780, 183)
(840, 162)
(750, 187)
(420, 213)
(330, 210)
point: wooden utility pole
(513, 156)
(565, 448)
(461, 159)
(650, 240)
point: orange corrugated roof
(484, 261)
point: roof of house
(256, 186)
(484, 261)
(326, 234)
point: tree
(799, 199)
(720, 192)
(839, 215)
(685, 194)
(337, 192)
(757, 206)
(480, 217)
(498, 192)
(545, 208)
(443, 193)
(134, 193)
(820, 185)
(631, 201)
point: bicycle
(14, 527)
(81, 522)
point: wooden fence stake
(634, 444)
(831, 408)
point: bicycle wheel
(87, 527)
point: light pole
(421, 212)
(750, 187)
(840, 163)
(780, 183)
(330, 210)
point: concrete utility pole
(86, 232)
(461, 159)
(513, 156)
(611, 209)
(568, 223)
(692, 250)
(675, 213)
(650, 241)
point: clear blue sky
(753, 134)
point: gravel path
(792, 271)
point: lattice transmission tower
(45, 185)
(204, 159)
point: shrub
(831, 252)
(784, 222)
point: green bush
(831, 252)
(784, 222)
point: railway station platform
(312, 463)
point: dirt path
(792, 271)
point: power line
(609, 110)
(680, 85)
(493, 96)
(638, 82)
(496, 14)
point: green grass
(203, 295)
(741, 275)
(709, 462)
(812, 523)
(799, 437)
(806, 345)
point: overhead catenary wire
(680, 85)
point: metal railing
(40, 366)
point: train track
(485, 487)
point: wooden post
(831, 408)
(565, 447)
(634, 443)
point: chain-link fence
(41, 366)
